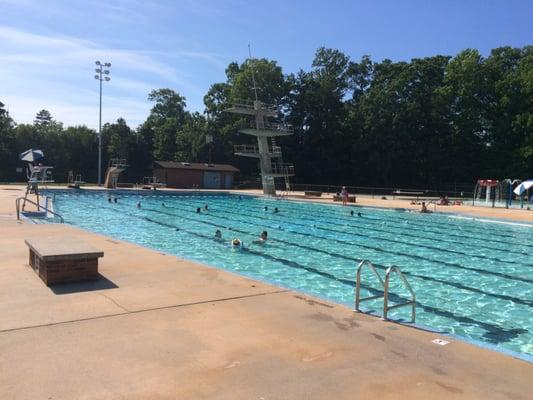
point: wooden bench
(406, 193)
(313, 193)
(63, 259)
(351, 199)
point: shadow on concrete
(101, 283)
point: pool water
(472, 278)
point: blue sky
(48, 47)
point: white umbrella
(31, 155)
(524, 186)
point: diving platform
(246, 150)
(266, 149)
(281, 170)
(252, 109)
(115, 168)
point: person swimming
(218, 235)
(276, 210)
(359, 214)
(198, 210)
(139, 204)
(351, 213)
(163, 205)
(109, 200)
(263, 237)
(115, 199)
(236, 244)
(266, 208)
(206, 207)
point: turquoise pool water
(472, 278)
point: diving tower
(267, 152)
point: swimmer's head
(218, 234)
(264, 235)
(266, 208)
(236, 243)
(198, 210)
(351, 213)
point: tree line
(426, 123)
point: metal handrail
(411, 302)
(252, 149)
(358, 298)
(17, 203)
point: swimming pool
(472, 278)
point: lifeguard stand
(39, 174)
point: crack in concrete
(141, 311)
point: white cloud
(56, 72)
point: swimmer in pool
(218, 235)
(115, 200)
(206, 207)
(198, 210)
(139, 204)
(236, 244)
(262, 238)
(109, 199)
(351, 213)
(359, 214)
(162, 204)
(276, 210)
(266, 208)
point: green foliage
(426, 123)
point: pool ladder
(385, 285)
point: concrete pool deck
(159, 327)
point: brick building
(188, 175)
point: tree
(43, 118)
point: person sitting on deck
(262, 238)
(443, 201)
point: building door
(228, 181)
(211, 180)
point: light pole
(101, 75)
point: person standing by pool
(344, 195)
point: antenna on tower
(253, 75)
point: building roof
(195, 166)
